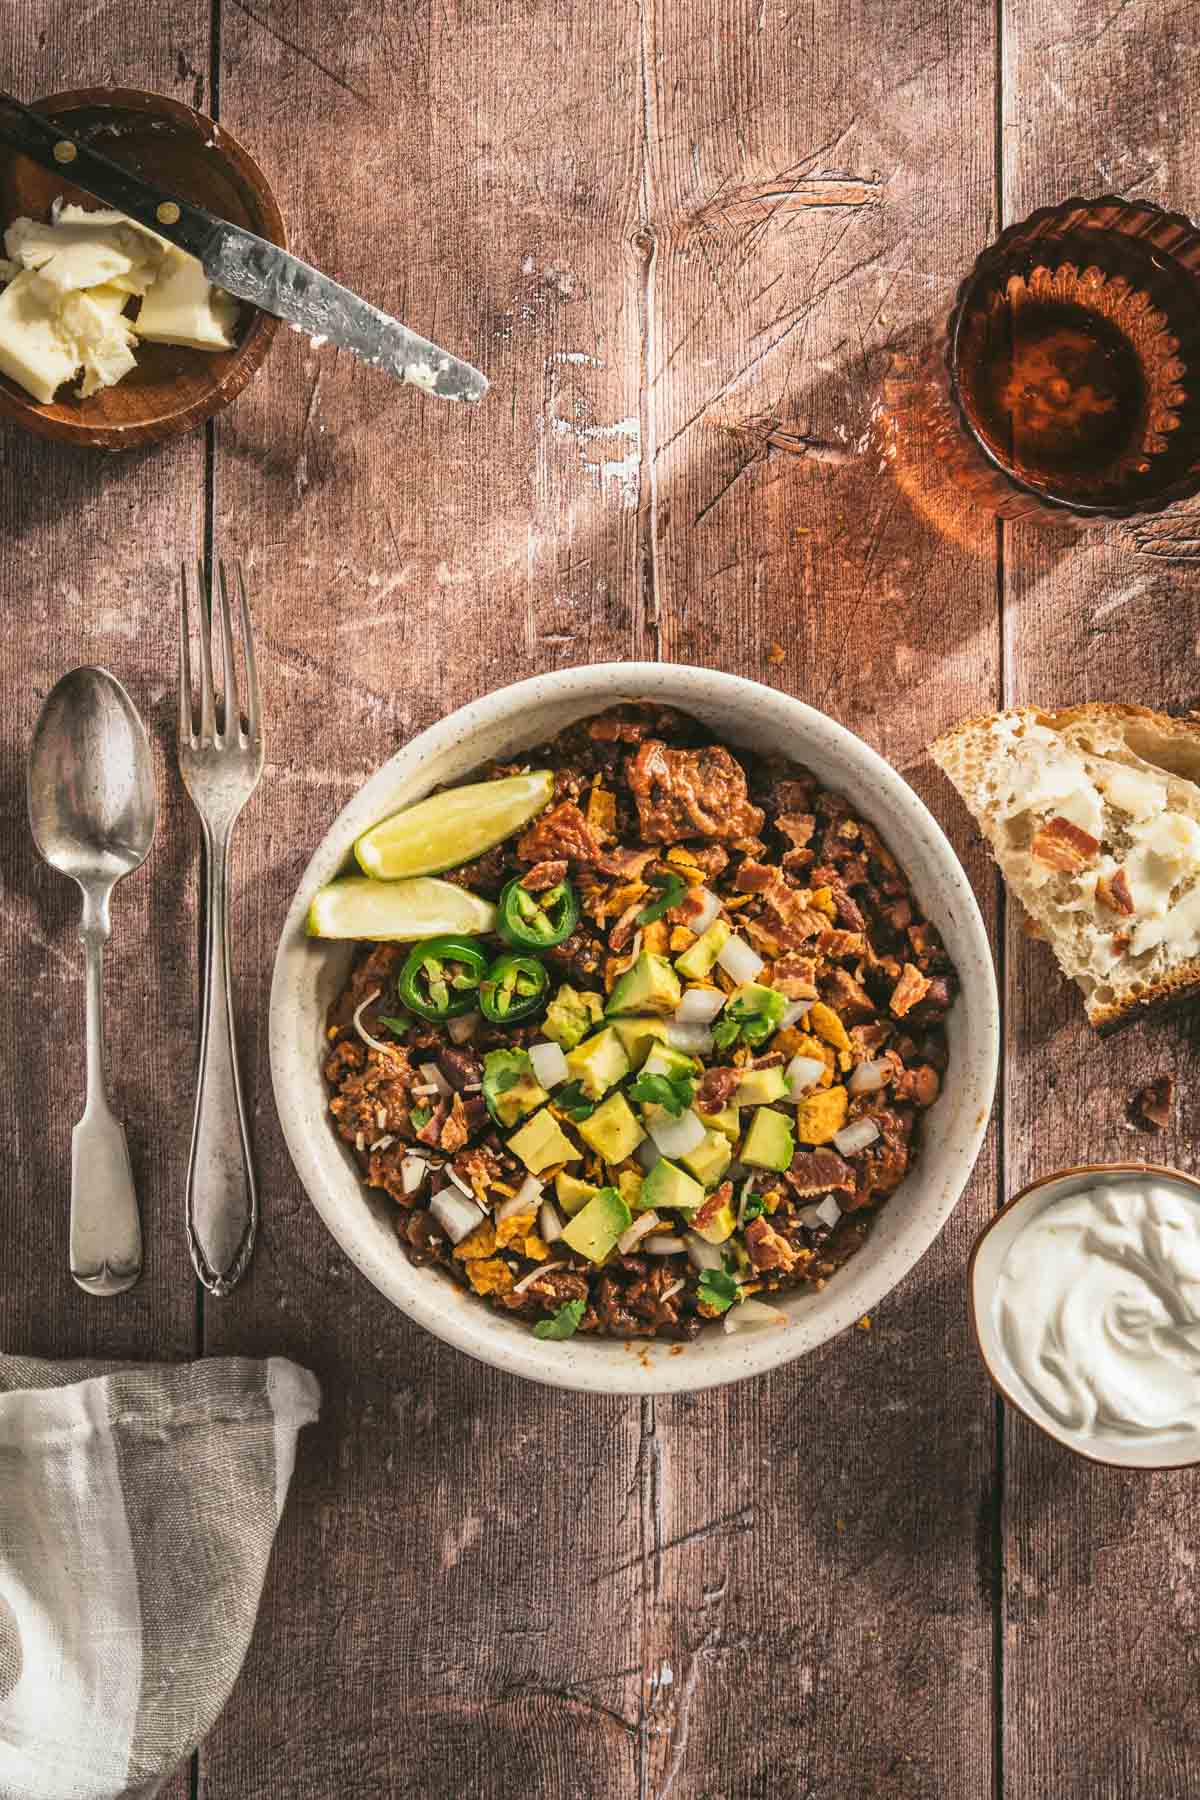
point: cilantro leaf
(420, 1117)
(564, 1323)
(674, 1092)
(752, 1013)
(716, 1290)
(574, 1102)
(507, 1078)
(396, 1025)
(725, 1032)
(753, 1209)
(673, 888)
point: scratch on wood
(299, 50)
(765, 202)
(769, 433)
(648, 245)
(687, 1689)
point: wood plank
(431, 1622)
(1099, 1642)
(90, 542)
(817, 1543)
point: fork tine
(186, 732)
(208, 722)
(253, 701)
(233, 718)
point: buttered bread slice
(1093, 813)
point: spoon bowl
(92, 811)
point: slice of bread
(1093, 813)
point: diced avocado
(571, 1015)
(651, 986)
(769, 1142)
(612, 1130)
(596, 1227)
(663, 1060)
(630, 1184)
(710, 1159)
(720, 1226)
(758, 1087)
(572, 1193)
(598, 1063)
(667, 1185)
(756, 1010)
(728, 1121)
(510, 1087)
(697, 960)
(541, 1142)
(638, 1036)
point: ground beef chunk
(922, 1085)
(717, 1088)
(461, 1068)
(625, 865)
(791, 794)
(883, 1167)
(797, 826)
(814, 1172)
(848, 997)
(767, 1249)
(486, 875)
(548, 1293)
(633, 724)
(431, 1132)
(620, 935)
(374, 1101)
(936, 1003)
(544, 875)
(710, 859)
(560, 834)
(579, 957)
(347, 1057)
(868, 1040)
(690, 793)
(420, 1231)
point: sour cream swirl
(1098, 1308)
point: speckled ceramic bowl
(309, 974)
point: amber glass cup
(1072, 365)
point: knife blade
(245, 265)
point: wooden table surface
(692, 245)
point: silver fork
(221, 761)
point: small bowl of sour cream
(1085, 1300)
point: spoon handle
(222, 1201)
(106, 1233)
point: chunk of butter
(184, 308)
(69, 282)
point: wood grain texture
(1099, 1566)
(88, 545)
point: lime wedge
(397, 911)
(452, 827)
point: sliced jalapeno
(537, 921)
(513, 987)
(441, 976)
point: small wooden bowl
(171, 390)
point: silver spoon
(92, 809)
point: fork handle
(222, 1200)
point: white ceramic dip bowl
(1170, 1449)
(309, 974)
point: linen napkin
(138, 1506)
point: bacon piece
(1061, 845)
(793, 975)
(704, 1215)
(820, 1171)
(690, 793)
(544, 875)
(755, 878)
(766, 1249)
(798, 826)
(911, 988)
(717, 1088)
(1113, 891)
(563, 832)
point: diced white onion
(827, 1213)
(739, 960)
(676, 1137)
(361, 1029)
(647, 1154)
(549, 1223)
(536, 1275)
(702, 1254)
(641, 1227)
(412, 1173)
(699, 1006)
(527, 1196)
(802, 1073)
(709, 906)
(796, 1009)
(669, 1293)
(462, 1029)
(856, 1136)
(869, 1077)
(382, 1143)
(663, 1246)
(456, 1216)
(549, 1064)
(422, 1089)
(464, 1187)
(692, 1040)
(752, 1315)
(433, 1075)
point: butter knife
(244, 264)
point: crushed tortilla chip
(502, 1187)
(490, 1276)
(515, 1226)
(681, 938)
(827, 1025)
(822, 900)
(654, 937)
(602, 812)
(820, 1115)
(771, 1200)
(481, 1242)
(536, 1248)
